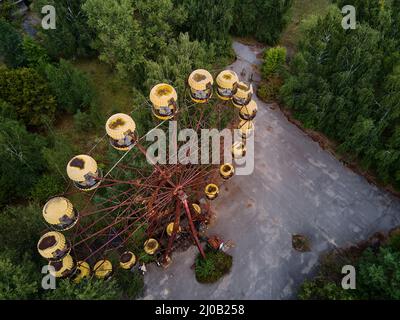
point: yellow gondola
(62, 268)
(227, 82)
(103, 269)
(60, 213)
(121, 130)
(82, 272)
(170, 228)
(200, 83)
(127, 260)
(242, 95)
(83, 171)
(249, 111)
(164, 99)
(53, 246)
(196, 208)
(211, 191)
(151, 246)
(227, 171)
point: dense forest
(42, 89)
(346, 84)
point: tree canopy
(345, 83)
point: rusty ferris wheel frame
(152, 198)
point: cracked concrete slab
(296, 188)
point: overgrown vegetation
(346, 84)
(377, 264)
(216, 265)
(272, 71)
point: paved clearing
(296, 188)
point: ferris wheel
(100, 221)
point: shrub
(70, 86)
(91, 289)
(16, 282)
(57, 154)
(20, 228)
(131, 283)
(214, 267)
(269, 90)
(6, 10)
(320, 290)
(35, 55)
(378, 275)
(11, 49)
(377, 272)
(274, 61)
(7, 110)
(83, 121)
(48, 185)
(21, 162)
(29, 93)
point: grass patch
(214, 267)
(301, 10)
(113, 94)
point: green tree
(11, 48)
(378, 275)
(86, 290)
(21, 228)
(35, 54)
(130, 32)
(209, 21)
(29, 93)
(181, 57)
(16, 282)
(346, 83)
(6, 10)
(119, 38)
(73, 36)
(262, 19)
(274, 61)
(21, 162)
(70, 86)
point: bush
(20, 229)
(91, 289)
(11, 49)
(377, 272)
(320, 290)
(57, 154)
(83, 121)
(379, 275)
(269, 90)
(274, 61)
(16, 282)
(131, 283)
(214, 267)
(6, 10)
(21, 161)
(7, 111)
(262, 19)
(48, 185)
(35, 55)
(70, 86)
(29, 93)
